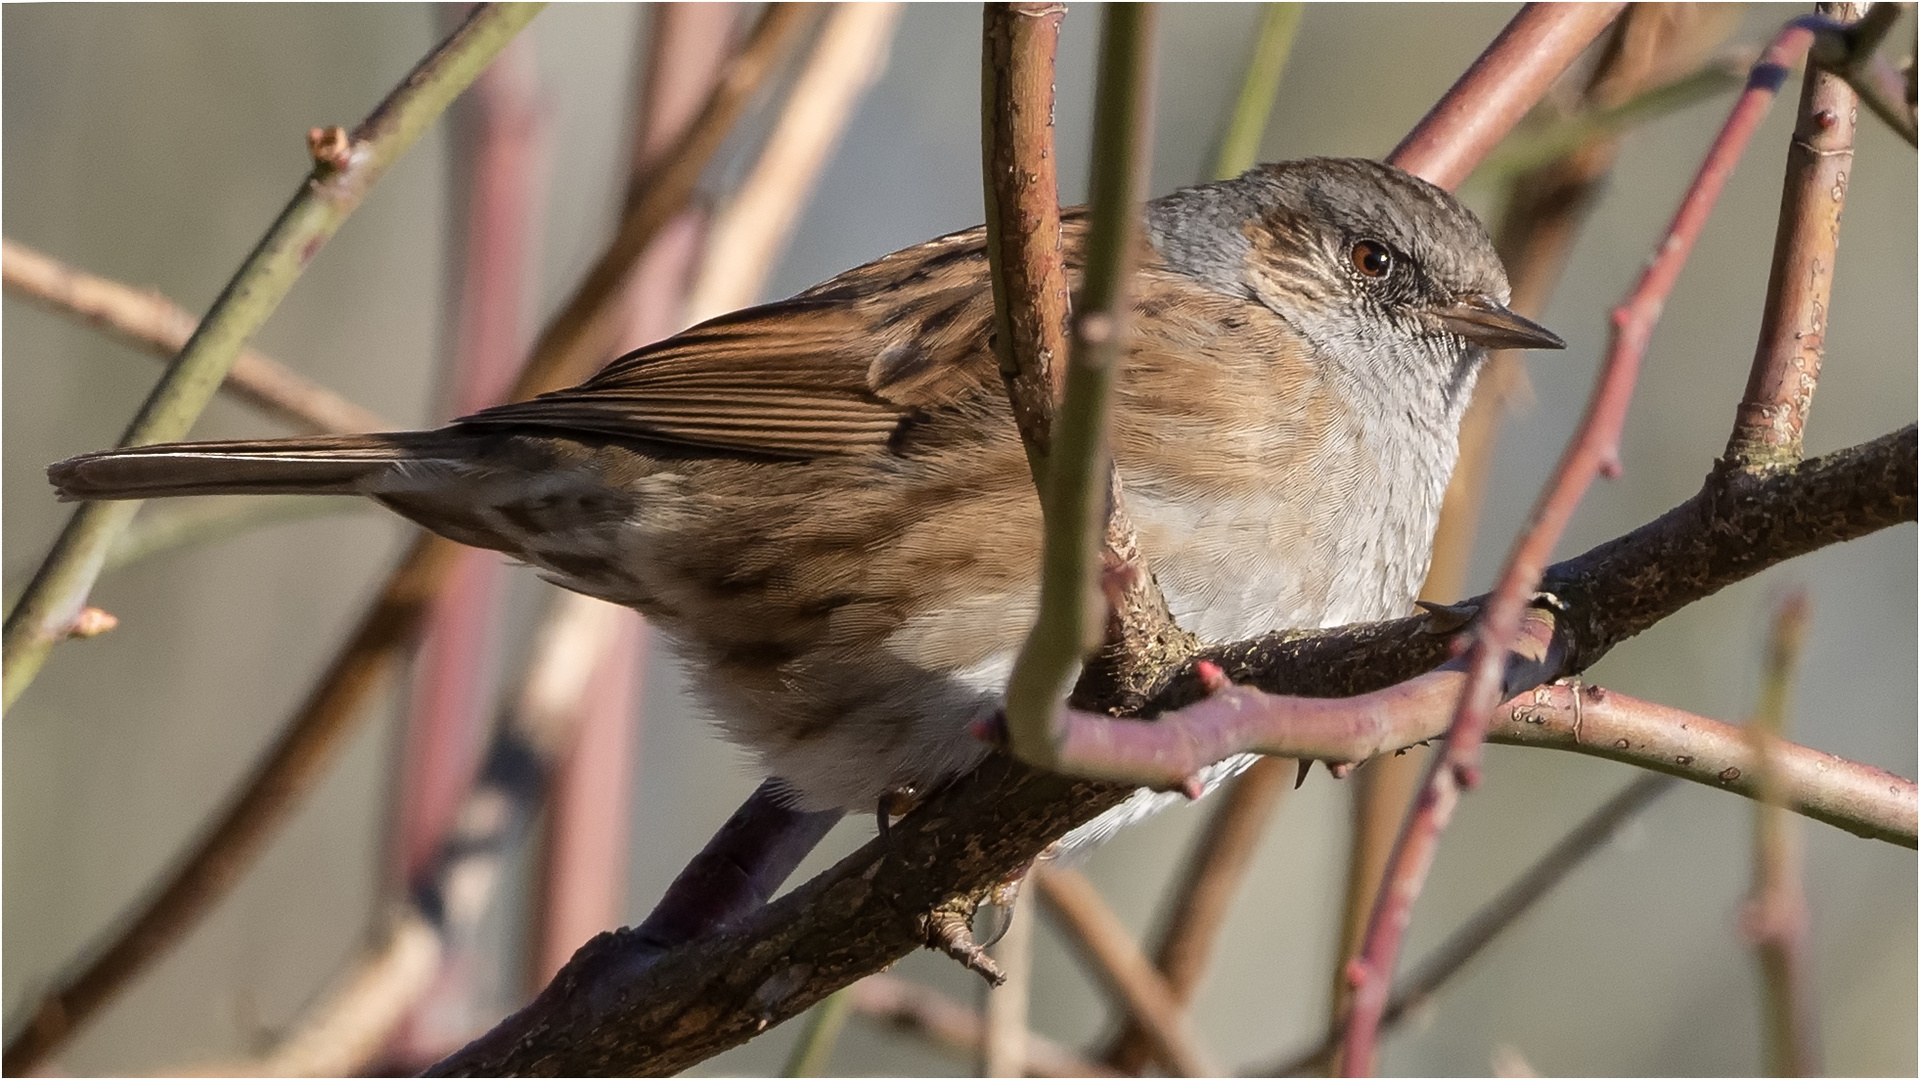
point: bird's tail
(315, 465)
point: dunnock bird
(824, 503)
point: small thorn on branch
(91, 623)
(949, 929)
(331, 147)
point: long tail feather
(318, 465)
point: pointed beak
(1483, 321)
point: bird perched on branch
(824, 502)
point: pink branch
(1595, 450)
(1508, 79)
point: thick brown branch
(607, 1013)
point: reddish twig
(1776, 918)
(161, 328)
(1595, 450)
(1023, 213)
(1080, 498)
(1508, 79)
(1109, 950)
(1205, 889)
(1793, 325)
(946, 1024)
(1545, 209)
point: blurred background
(154, 144)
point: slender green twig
(1241, 144)
(1526, 151)
(341, 178)
(824, 1022)
(1074, 500)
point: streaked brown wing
(834, 370)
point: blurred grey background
(153, 144)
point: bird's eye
(1372, 258)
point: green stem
(326, 197)
(810, 1054)
(1241, 144)
(1074, 500)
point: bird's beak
(1483, 321)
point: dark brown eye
(1372, 258)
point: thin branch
(948, 1025)
(757, 222)
(1492, 918)
(339, 1038)
(161, 328)
(1024, 252)
(1776, 914)
(1240, 146)
(334, 189)
(1793, 324)
(1109, 950)
(1504, 83)
(1003, 1044)
(1594, 450)
(1205, 890)
(1079, 485)
(824, 1023)
(241, 829)
(580, 338)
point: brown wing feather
(835, 370)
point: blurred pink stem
(583, 889)
(503, 129)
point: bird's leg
(738, 871)
(894, 802)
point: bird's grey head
(1381, 270)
